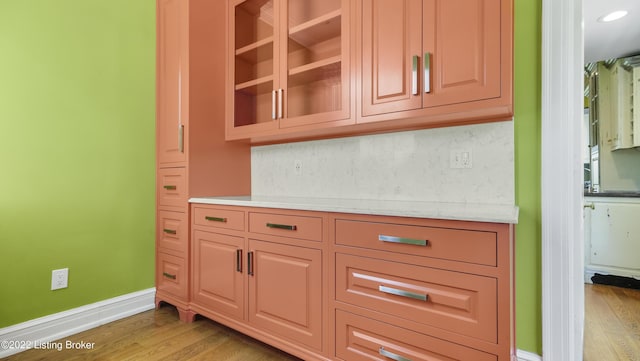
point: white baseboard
(49, 328)
(527, 356)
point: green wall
(527, 152)
(77, 109)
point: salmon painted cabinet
(338, 286)
(262, 272)
(438, 59)
(190, 145)
(289, 65)
(320, 68)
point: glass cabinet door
(253, 46)
(316, 85)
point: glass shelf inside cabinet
(314, 57)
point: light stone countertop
(493, 213)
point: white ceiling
(615, 39)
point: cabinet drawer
(359, 338)
(452, 244)
(171, 275)
(172, 187)
(453, 301)
(219, 218)
(172, 232)
(301, 227)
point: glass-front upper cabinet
(291, 65)
(253, 66)
(317, 65)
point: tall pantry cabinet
(193, 158)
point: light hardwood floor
(612, 324)
(612, 333)
(159, 335)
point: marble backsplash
(403, 166)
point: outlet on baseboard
(59, 278)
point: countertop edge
(490, 213)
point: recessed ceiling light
(613, 16)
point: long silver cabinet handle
(392, 239)
(282, 226)
(274, 95)
(427, 72)
(181, 138)
(401, 293)
(215, 219)
(414, 75)
(280, 102)
(391, 355)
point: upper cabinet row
(304, 68)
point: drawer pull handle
(216, 219)
(282, 226)
(391, 355)
(169, 275)
(415, 242)
(170, 231)
(171, 188)
(397, 292)
(239, 260)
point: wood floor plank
(612, 323)
(159, 335)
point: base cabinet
(335, 286)
(285, 291)
(262, 272)
(360, 338)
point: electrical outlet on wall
(461, 158)
(59, 278)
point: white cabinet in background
(636, 106)
(621, 135)
(612, 236)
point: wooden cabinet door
(285, 291)
(253, 74)
(172, 80)
(218, 281)
(391, 55)
(462, 41)
(315, 61)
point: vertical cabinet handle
(274, 95)
(280, 103)
(250, 263)
(391, 355)
(414, 75)
(239, 260)
(181, 138)
(427, 72)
